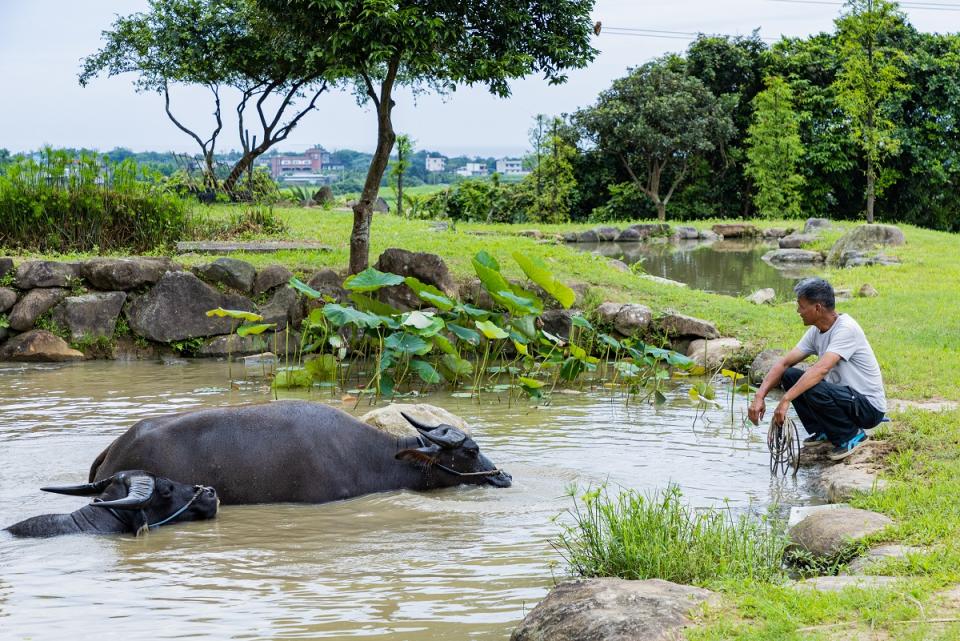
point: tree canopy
(433, 45)
(216, 44)
(655, 122)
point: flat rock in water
(252, 247)
(662, 281)
(45, 273)
(607, 234)
(389, 419)
(826, 533)
(89, 315)
(792, 256)
(841, 482)
(609, 609)
(124, 274)
(38, 346)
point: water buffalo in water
(131, 501)
(296, 452)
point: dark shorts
(838, 411)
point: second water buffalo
(298, 452)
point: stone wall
(138, 307)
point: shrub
(61, 203)
(657, 536)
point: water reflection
(461, 563)
(733, 267)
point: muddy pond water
(732, 267)
(463, 563)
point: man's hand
(780, 414)
(756, 410)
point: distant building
(511, 167)
(300, 166)
(438, 163)
(473, 169)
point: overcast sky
(43, 41)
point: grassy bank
(912, 324)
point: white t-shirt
(858, 367)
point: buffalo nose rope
(783, 440)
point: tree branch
(166, 96)
(286, 129)
(370, 90)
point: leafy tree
(434, 45)
(552, 179)
(774, 151)
(655, 121)
(870, 84)
(404, 149)
(216, 44)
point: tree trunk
(363, 210)
(400, 182)
(237, 171)
(661, 211)
(871, 190)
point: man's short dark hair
(816, 290)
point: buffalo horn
(87, 489)
(417, 424)
(140, 490)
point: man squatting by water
(840, 395)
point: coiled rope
(783, 440)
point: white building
(436, 164)
(511, 167)
(473, 169)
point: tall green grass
(635, 536)
(62, 203)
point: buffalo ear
(426, 455)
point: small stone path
(253, 247)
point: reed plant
(656, 535)
(61, 203)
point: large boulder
(763, 363)
(635, 233)
(793, 256)
(607, 234)
(856, 258)
(329, 283)
(269, 277)
(34, 304)
(558, 322)
(380, 205)
(686, 233)
(176, 309)
(712, 354)
(864, 238)
(881, 553)
(816, 225)
(772, 233)
(736, 230)
(6, 266)
(89, 315)
(826, 533)
(7, 299)
(38, 345)
(238, 274)
(677, 325)
(589, 236)
(233, 345)
(125, 274)
(283, 308)
(764, 296)
(427, 268)
(610, 609)
(627, 318)
(796, 241)
(324, 196)
(45, 273)
(389, 419)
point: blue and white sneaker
(816, 437)
(844, 450)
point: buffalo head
(159, 500)
(453, 453)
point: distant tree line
(847, 124)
